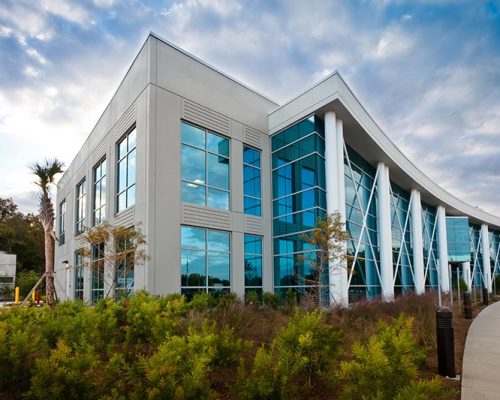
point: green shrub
(271, 299)
(67, 374)
(386, 367)
(202, 301)
(298, 354)
(252, 298)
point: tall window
(251, 181)
(205, 168)
(253, 264)
(126, 171)
(79, 275)
(97, 269)
(62, 222)
(124, 268)
(205, 264)
(99, 200)
(81, 204)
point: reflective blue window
(126, 167)
(430, 240)
(81, 206)
(251, 181)
(402, 249)
(205, 259)
(99, 198)
(205, 167)
(299, 199)
(476, 255)
(457, 235)
(362, 246)
(253, 262)
(97, 271)
(79, 275)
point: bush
(298, 354)
(252, 298)
(271, 299)
(202, 301)
(387, 366)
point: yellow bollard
(33, 296)
(16, 298)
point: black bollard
(445, 342)
(485, 296)
(467, 306)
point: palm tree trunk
(49, 269)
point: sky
(427, 71)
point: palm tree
(46, 173)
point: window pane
(218, 241)
(218, 171)
(193, 268)
(218, 269)
(251, 156)
(193, 165)
(192, 238)
(122, 201)
(251, 181)
(131, 168)
(253, 271)
(193, 136)
(97, 196)
(103, 191)
(122, 175)
(218, 199)
(252, 206)
(217, 144)
(253, 244)
(131, 196)
(122, 148)
(131, 140)
(192, 193)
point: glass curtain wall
(402, 249)
(126, 167)
(299, 199)
(457, 234)
(430, 243)
(362, 247)
(99, 199)
(495, 255)
(476, 255)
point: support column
(443, 276)
(385, 232)
(335, 200)
(418, 242)
(485, 244)
(466, 275)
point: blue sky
(427, 71)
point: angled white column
(385, 232)
(466, 275)
(443, 276)
(335, 199)
(418, 245)
(485, 245)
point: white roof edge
(215, 69)
(346, 96)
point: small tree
(123, 252)
(329, 238)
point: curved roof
(363, 134)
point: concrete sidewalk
(481, 364)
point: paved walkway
(481, 364)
